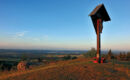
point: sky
(62, 24)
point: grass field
(78, 69)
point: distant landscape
(66, 63)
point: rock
(22, 66)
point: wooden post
(98, 40)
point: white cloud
(19, 34)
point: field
(77, 69)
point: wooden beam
(99, 22)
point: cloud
(19, 34)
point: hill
(78, 69)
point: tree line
(122, 56)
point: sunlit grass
(78, 69)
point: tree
(91, 53)
(128, 56)
(123, 56)
(110, 55)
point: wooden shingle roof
(100, 12)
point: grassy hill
(78, 69)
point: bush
(67, 57)
(5, 66)
(91, 53)
(1, 67)
(74, 57)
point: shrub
(5, 66)
(1, 65)
(74, 57)
(67, 57)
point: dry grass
(78, 69)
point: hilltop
(78, 69)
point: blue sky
(62, 24)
